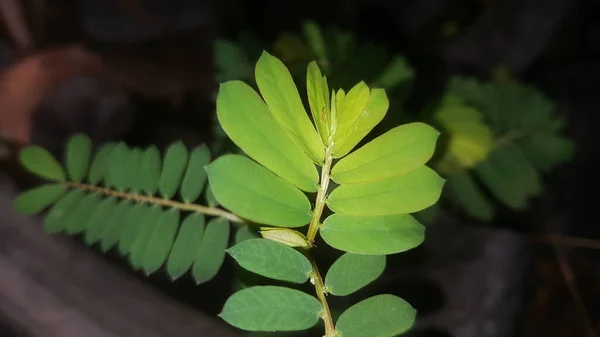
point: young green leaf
(83, 214)
(251, 126)
(255, 193)
(211, 253)
(407, 193)
(117, 172)
(351, 272)
(378, 316)
(95, 222)
(41, 163)
(54, 221)
(150, 170)
(371, 116)
(271, 308)
(100, 163)
(315, 39)
(161, 241)
(379, 235)
(396, 72)
(195, 174)
(281, 95)
(272, 259)
(79, 150)
(400, 150)
(317, 89)
(37, 199)
(115, 224)
(173, 167)
(288, 237)
(186, 245)
(351, 109)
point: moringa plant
(297, 180)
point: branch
(313, 228)
(317, 280)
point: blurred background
(511, 248)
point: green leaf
(251, 126)
(370, 117)
(283, 263)
(150, 221)
(41, 163)
(469, 196)
(211, 253)
(378, 316)
(379, 235)
(195, 174)
(317, 90)
(286, 236)
(117, 172)
(407, 193)
(115, 225)
(55, 219)
(134, 170)
(396, 72)
(315, 39)
(96, 221)
(281, 95)
(271, 308)
(79, 151)
(150, 170)
(133, 223)
(37, 199)
(161, 241)
(100, 163)
(174, 165)
(211, 201)
(400, 150)
(186, 245)
(352, 272)
(253, 192)
(245, 233)
(350, 110)
(81, 215)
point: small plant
(370, 193)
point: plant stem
(321, 295)
(158, 201)
(313, 228)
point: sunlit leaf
(317, 89)
(37, 199)
(79, 151)
(370, 117)
(378, 235)
(174, 164)
(350, 110)
(407, 193)
(255, 193)
(195, 174)
(281, 95)
(42, 163)
(272, 259)
(271, 308)
(186, 245)
(211, 252)
(396, 152)
(352, 272)
(378, 316)
(251, 126)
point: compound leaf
(84, 214)
(400, 150)
(272, 259)
(195, 174)
(211, 253)
(186, 245)
(100, 163)
(271, 308)
(79, 151)
(255, 193)
(251, 126)
(370, 117)
(407, 193)
(133, 223)
(115, 224)
(117, 172)
(150, 170)
(378, 316)
(149, 222)
(174, 164)
(37, 199)
(42, 163)
(95, 222)
(281, 95)
(351, 272)
(379, 235)
(55, 219)
(161, 241)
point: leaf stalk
(313, 227)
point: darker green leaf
(195, 174)
(211, 253)
(174, 165)
(351, 272)
(186, 245)
(100, 163)
(161, 241)
(41, 163)
(55, 219)
(150, 170)
(79, 151)
(37, 199)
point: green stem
(214, 211)
(321, 295)
(313, 228)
